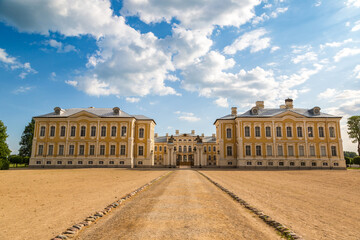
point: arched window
(113, 131)
(123, 131)
(228, 132)
(141, 133)
(82, 131)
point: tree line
(24, 155)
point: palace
(282, 138)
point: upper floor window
(155, 148)
(228, 133)
(141, 150)
(301, 151)
(323, 151)
(180, 149)
(92, 150)
(288, 132)
(258, 150)
(141, 133)
(103, 131)
(269, 150)
(81, 150)
(62, 131)
(248, 150)
(189, 148)
(299, 132)
(123, 131)
(310, 132)
(209, 157)
(122, 150)
(280, 150)
(61, 150)
(71, 150)
(102, 149)
(214, 149)
(229, 151)
(113, 131)
(72, 131)
(332, 132)
(51, 150)
(278, 131)
(160, 148)
(268, 132)
(209, 148)
(290, 150)
(247, 131)
(93, 131)
(42, 131)
(333, 151)
(82, 131)
(52, 131)
(112, 150)
(257, 131)
(185, 148)
(321, 132)
(312, 151)
(41, 150)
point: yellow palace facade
(281, 138)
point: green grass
(353, 168)
(19, 165)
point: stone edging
(284, 231)
(75, 229)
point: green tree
(356, 160)
(26, 140)
(350, 154)
(4, 148)
(348, 160)
(16, 159)
(354, 130)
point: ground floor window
(325, 163)
(59, 162)
(313, 164)
(101, 162)
(140, 162)
(259, 163)
(80, 162)
(258, 150)
(229, 151)
(121, 162)
(249, 163)
(48, 162)
(69, 162)
(229, 163)
(111, 162)
(248, 150)
(270, 163)
(38, 162)
(281, 163)
(303, 164)
(333, 150)
(336, 164)
(91, 162)
(292, 164)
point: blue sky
(183, 63)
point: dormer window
(254, 111)
(315, 110)
(116, 110)
(58, 110)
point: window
(323, 151)
(281, 163)
(257, 131)
(214, 149)
(312, 151)
(280, 150)
(270, 163)
(103, 131)
(112, 150)
(301, 151)
(165, 149)
(141, 150)
(113, 131)
(59, 162)
(229, 151)
(48, 162)
(336, 164)
(313, 164)
(52, 131)
(180, 149)
(93, 131)
(228, 133)
(268, 132)
(72, 131)
(160, 157)
(41, 150)
(42, 131)
(101, 162)
(160, 148)
(332, 132)
(80, 162)
(214, 157)
(189, 148)
(82, 131)
(299, 132)
(92, 150)
(303, 164)
(269, 150)
(185, 149)
(209, 148)
(310, 132)
(102, 149)
(51, 150)
(122, 150)
(333, 151)
(123, 131)
(90, 162)
(321, 132)
(278, 131)
(81, 150)
(38, 162)
(248, 150)
(289, 132)
(290, 150)
(141, 133)
(71, 150)
(61, 150)
(69, 162)
(258, 150)
(325, 163)
(259, 163)
(229, 163)
(249, 163)
(111, 162)
(292, 164)
(62, 131)
(140, 162)
(121, 162)
(247, 131)
(209, 158)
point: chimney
(193, 132)
(289, 103)
(167, 134)
(116, 110)
(202, 135)
(156, 135)
(213, 135)
(177, 132)
(282, 106)
(260, 104)
(234, 111)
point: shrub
(4, 164)
(356, 160)
(348, 160)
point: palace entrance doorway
(185, 160)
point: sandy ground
(183, 205)
(39, 204)
(315, 204)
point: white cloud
(132, 99)
(309, 57)
(336, 44)
(346, 52)
(276, 13)
(222, 102)
(253, 40)
(13, 64)
(317, 3)
(60, 47)
(357, 71)
(187, 116)
(300, 77)
(22, 89)
(274, 48)
(353, 3)
(72, 83)
(53, 76)
(267, 5)
(356, 27)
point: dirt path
(183, 205)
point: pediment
(83, 114)
(289, 114)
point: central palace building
(279, 138)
